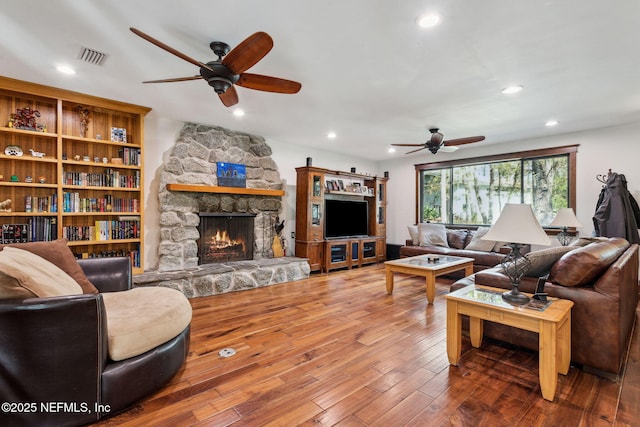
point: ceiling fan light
(219, 84)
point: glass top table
(429, 266)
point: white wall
(160, 136)
(599, 150)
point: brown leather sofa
(54, 364)
(602, 281)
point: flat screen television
(346, 218)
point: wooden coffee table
(430, 266)
(553, 324)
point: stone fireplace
(192, 163)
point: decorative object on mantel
(25, 118)
(231, 174)
(517, 225)
(278, 242)
(565, 218)
(83, 112)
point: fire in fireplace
(225, 237)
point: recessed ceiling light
(551, 123)
(428, 20)
(512, 89)
(331, 135)
(238, 112)
(391, 150)
(65, 69)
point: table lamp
(565, 218)
(517, 225)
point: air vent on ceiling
(92, 56)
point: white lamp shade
(565, 218)
(517, 224)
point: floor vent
(92, 56)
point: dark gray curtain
(617, 213)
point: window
(474, 191)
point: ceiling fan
(229, 69)
(437, 143)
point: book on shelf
(134, 255)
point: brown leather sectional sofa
(601, 278)
(53, 352)
(457, 240)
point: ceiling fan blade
(169, 49)
(461, 141)
(409, 145)
(230, 97)
(268, 84)
(248, 53)
(413, 151)
(178, 79)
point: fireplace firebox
(225, 237)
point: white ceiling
(368, 72)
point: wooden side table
(553, 324)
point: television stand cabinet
(316, 185)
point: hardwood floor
(337, 350)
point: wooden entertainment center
(314, 187)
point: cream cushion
(432, 234)
(415, 235)
(24, 274)
(141, 319)
(479, 244)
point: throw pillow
(478, 244)
(470, 234)
(58, 253)
(433, 234)
(10, 288)
(582, 265)
(415, 235)
(457, 238)
(36, 275)
(542, 260)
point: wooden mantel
(224, 190)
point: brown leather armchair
(54, 364)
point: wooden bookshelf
(79, 163)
